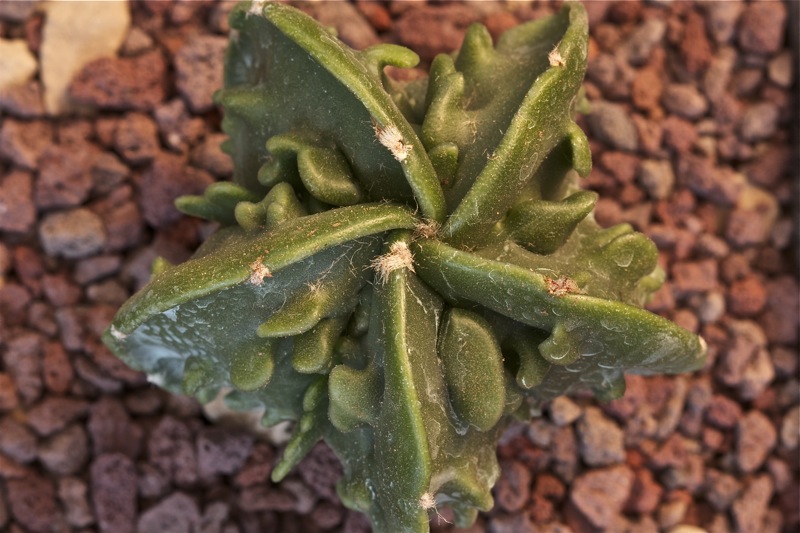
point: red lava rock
(320, 470)
(750, 507)
(17, 441)
(23, 101)
(198, 66)
(177, 126)
(32, 501)
(679, 134)
(136, 138)
(23, 142)
(747, 296)
(113, 488)
(57, 368)
(264, 498)
(721, 489)
(600, 494)
(646, 89)
(122, 219)
(645, 494)
(756, 436)
(54, 413)
(782, 316)
(122, 83)
(762, 27)
(376, 14)
(326, 515)
(8, 393)
(621, 165)
(210, 157)
(499, 22)
(429, 30)
(353, 28)
(517, 523)
(258, 467)
(770, 166)
(17, 212)
(723, 412)
(112, 430)
(167, 179)
(694, 276)
(59, 290)
(745, 364)
(21, 358)
(694, 47)
(513, 487)
(222, 450)
(565, 453)
(107, 173)
(171, 448)
(178, 512)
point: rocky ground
(694, 105)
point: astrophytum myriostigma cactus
(401, 267)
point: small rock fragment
(17, 64)
(198, 66)
(600, 494)
(68, 43)
(17, 212)
(611, 124)
(601, 440)
(72, 234)
(755, 439)
(178, 512)
(113, 488)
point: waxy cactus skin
(401, 268)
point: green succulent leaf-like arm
(402, 268)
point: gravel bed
(694, 139)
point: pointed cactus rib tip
(402, 267)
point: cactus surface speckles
(402, 267)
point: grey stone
(66, 452)
(643, 40)
(601, 440)
(72, 234)
(685, 101)
(613, 125)
(178, 513)
(564, 411)
(73, 492)
(657, 178)
(222, 450)
(760, 121)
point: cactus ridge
(402, 267)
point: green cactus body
(401, 267)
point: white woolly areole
(554, 57)
(117, 334)
(257, 7)
(399, 256)
(259, 271)
(392, 139)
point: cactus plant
(402, 267)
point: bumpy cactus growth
(401, 267)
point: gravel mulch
(692, 135)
